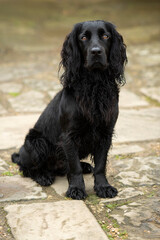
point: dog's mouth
(97, 65)
(96, 62)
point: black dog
(80, 119)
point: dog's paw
(106, 191)
(76, 193)
(45, 180)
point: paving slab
(129, 99)
(140, 218)
(31, 101)
(62, 220)
(125, 149)
(52, 94)
(152, 92)
(17, 71)
(2, 110)
(39, 84)
(14, 128)
(61, 184)
(17, 188)
(132, 125)
(124, 194)
(137, 125)
(3, 165)
(11, 87)
(138, 171)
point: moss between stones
(14, 94)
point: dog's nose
(96, 51)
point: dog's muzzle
(96, 59)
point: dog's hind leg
(34, 161)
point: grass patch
(151, 195)
(110, 237)
(112, 206)
(113, 229)
(123, 234)
(93, 199)
(14, 94)
(120, 157)
(8, 173)
(152, 101)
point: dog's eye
(84, 38)
(105, 36)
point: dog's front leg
(76, 189)
(101, 186)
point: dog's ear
(71, 57)
(117, 57)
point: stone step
(63, 220)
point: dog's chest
(89, 137)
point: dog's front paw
(106, 191)
(76, 193)
(44, 180)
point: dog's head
(93, 46)
(95, 41)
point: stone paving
(33, 212)
(29, 211)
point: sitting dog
(80, 119)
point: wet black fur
(80, 119)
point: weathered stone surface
(140, 218)
(125, 149)
(61, 184)
(52, 94)
(39, 84)
(2, 110)
(10, 87)
(140, 171)
(3, 165)
(17, 188)
(13, 129)
(137, 125)
(153, 92)
(61, 220)
(132, 125)
(32, 101)
(123, 194)
(129, 99)
(137, 34)
(22, 70)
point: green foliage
(14, 94)
(8, 173)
